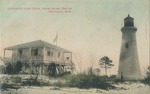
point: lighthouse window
(67, 58)
(58, 54)
(126, 45)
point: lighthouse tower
(129, 68)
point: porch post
(71, 63)
(44, 54)
(44, 58)
(63, 57)
(30, 62)
(71, 57)
(4, 52)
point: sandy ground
(145, 89)
(122, 88)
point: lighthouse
(129, 68)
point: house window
(127, 45)
(48, 53)
(34, 52)
(51, 53)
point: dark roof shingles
(38, 43)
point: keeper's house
(39, 57)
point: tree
(105, 63)
(9, 69)
(91, 71)
(97, 71)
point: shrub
(6, 86)
(9, 69)
(87, 81)
(59, 84)
(112, 79)
(147, 78)
(18, 67)
(34, 82)
(16, 79)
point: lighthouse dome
(128, 22)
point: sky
(90, 30)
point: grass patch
(34, 82)
(6, 86)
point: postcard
(74, 46)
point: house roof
(38, 43)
